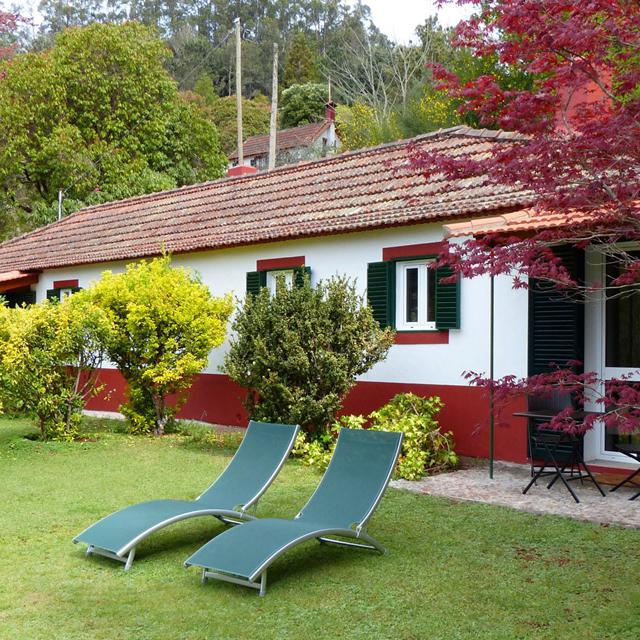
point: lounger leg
(128, 561)
(261, 586)
(373, 542)
(130, 557)
(372, 545)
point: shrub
(424, 447)
(318, 452)
(165, 323)
(49, 353)
(298, 351)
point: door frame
(595, 350)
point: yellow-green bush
(425, 449)
(48, 353)
(165, 323)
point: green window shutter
(17, 299)
(75, 289)
(447, 300)
(255, 281)
(53, 294)
(556, 321)
(299, 274)
(380, 292)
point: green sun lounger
(341, 506)
(255, 465)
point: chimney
(241, 170)
(330, 111)
(582, 93)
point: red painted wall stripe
(216, 399)
(412, 250)
(64, 284)
(279, 263)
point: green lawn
(453, 570)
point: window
(411, 296)
(65, 293)
(622, 321)
(274, 272)
(279, 278)
(415, 295)
(62, 289)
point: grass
(453, 570)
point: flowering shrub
(49, 354)
(164, 324)
(424, 448)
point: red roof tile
(302, 136)
(355, 191)
(523, 221)
(10, 280)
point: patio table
(633, 452)
(562, 450)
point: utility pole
(273, 126)
(239, 92)
(59, 204)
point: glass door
(621, 340)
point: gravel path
(474, 485)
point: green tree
(301, 62)
(205, 88)
(361, 126)
(298, 352)
(303, 103)
(99, 117)
(165, 324)
(49, 355)
(221, 112)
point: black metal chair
(553, 453)
(632, 450)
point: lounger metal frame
(258, 579)
(241, 514)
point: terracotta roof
(356, 191)
(10, 280)
(302, 136)
(523, 221)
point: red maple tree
(578, 155)
(8, 24)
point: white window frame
(422, 323)
(275, 274)
(65, 292)
(595, 351)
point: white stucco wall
(468, 349)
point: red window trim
(65, 284)
(422, 337)
(279, 263)
(412, 250)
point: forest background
(106, 100)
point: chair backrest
(356, 478)
(254, 466)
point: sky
(398, 19)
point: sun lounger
(255, 465)
(341, 506)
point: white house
(365, 214)
(304, 142)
